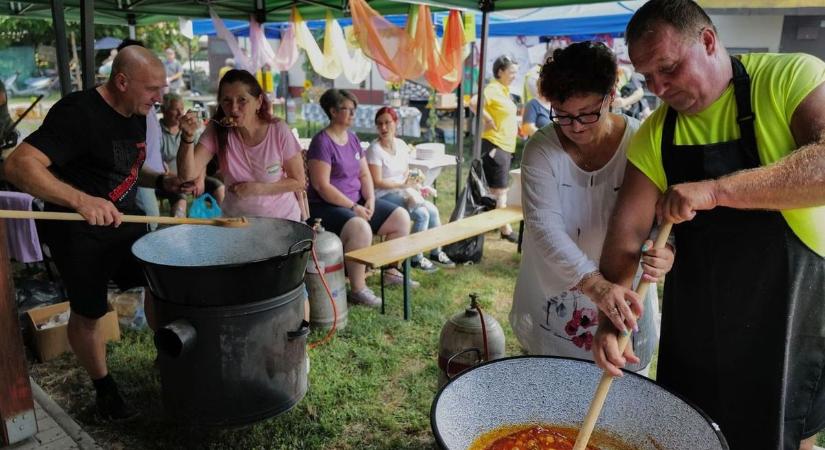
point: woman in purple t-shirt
(341, 193)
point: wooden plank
(399, 249)
(15, 390)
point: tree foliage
(16, 31)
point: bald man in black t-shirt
(88, 157)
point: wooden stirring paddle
(604, 384)
(232, 222)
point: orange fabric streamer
(444, 69)
(400, 56)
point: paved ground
(56, 430)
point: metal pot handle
(456, 355)
(305, 249)
(299, 333)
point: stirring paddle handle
(50, 215)
(604, 384)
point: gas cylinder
(462, 342)
(330, 253)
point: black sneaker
(111, 406)
(512, 237)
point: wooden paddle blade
(232, 222)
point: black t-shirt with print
(94, 148)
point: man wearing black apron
(739, 151)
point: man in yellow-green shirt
(498, 141)
(736, 159)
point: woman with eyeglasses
(388, 159)
(342, 195)
(571, 174)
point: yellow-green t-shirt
(500, 106)
(779, 83)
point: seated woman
(571, 173)
(536, 115)
(388, 159)
(341, 192)
(170, 136)
(258, 156)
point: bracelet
(586, 277)
(187, 142)
(159, 182)
(352, 208)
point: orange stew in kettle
(538, 437)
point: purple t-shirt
(344, 162)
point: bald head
(134, 59)
(137, 80)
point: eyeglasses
(584, 119)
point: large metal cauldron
(229, 303)
(232, 365)
(217, 266)
(536, 389)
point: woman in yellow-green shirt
(498, 141)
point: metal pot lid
(204, 245)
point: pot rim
(440, 441)
(283, 256)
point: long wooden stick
(48, 215)
(604, 384)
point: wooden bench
(402, 249)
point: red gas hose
(331, 300)
(483, 332)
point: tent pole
(132, 21)
(485, 28)
(87, 42)
(59, 24)
(459, 127)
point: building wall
(758, 32)
(804, 34)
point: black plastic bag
(475, 198)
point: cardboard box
(448, 100)
(52, 342)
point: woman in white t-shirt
(388, 159)
(259, 157)
(571, 173)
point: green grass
(371, 387)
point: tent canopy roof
(150, 11)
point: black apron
(743, 322)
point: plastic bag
(474, 199)
(205, 207)
(130, 307)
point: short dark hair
(127, 42)
(334, 98)
(578, 69)
(503, 62)
(685, 16)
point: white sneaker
(364, 297)
(424, 264)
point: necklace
(389, 147)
